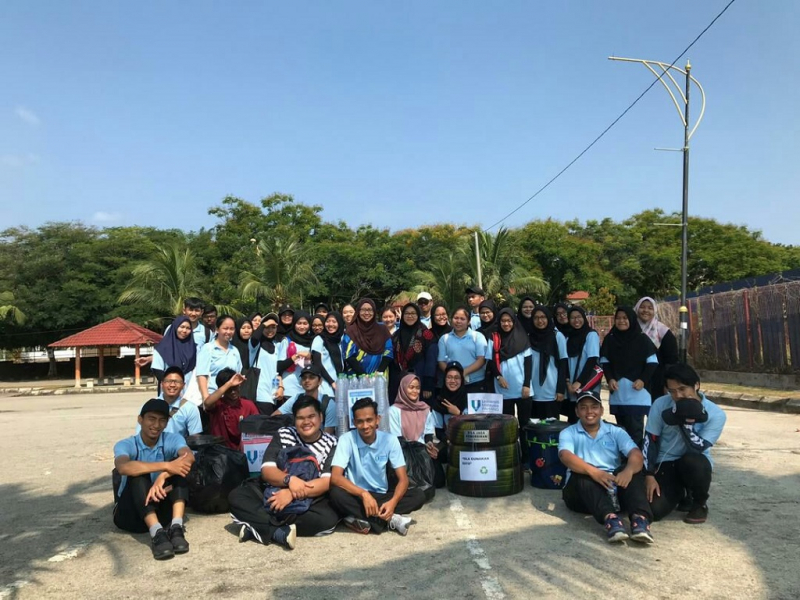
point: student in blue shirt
(425, 303)
(184, 417)
(217, 355)
(549, 372)
(310, 379)
(326, 352)
(628, 358)
(366, 344)
(475, 295)
(681, 429)
(295, 353)
(152, 492)
(583, 354)
(359, 483)
(593, 451)
(466, 347)
(265, 357)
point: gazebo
(114, 333)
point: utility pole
(478, 260)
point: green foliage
(10, 312)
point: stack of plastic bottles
(379, 393)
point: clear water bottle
(276, 381)
(381, 387)
(613, 496)
(342, 418)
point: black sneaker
(161, 546)
(686, 504)
(697, 515)
(176, 536)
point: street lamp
(683, 112)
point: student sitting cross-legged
(152, 492)
(359, 483)
(597, 483)
(271, 522)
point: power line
(615, 121)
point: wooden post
(100, 362)
(77, 367)
(137, 372)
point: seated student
(681, 429)
(247, 501)
(592, 451)
(311, 379)
(359, 483)
(184, 417)
(153, 492)
(226, 408)
(412, 419)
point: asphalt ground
(57, 538)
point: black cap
(311, 369)
(156, 405)
(591, 395)
(475, 290)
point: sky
(395, 114)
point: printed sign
(478, 466)
(484, 404)
(355, 395)
(476, 436)
(254, 445)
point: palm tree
(283, 270)
(445, 279)
(9, 311)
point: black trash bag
(420, 468)
(216, 471)
(264, 424)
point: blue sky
(392, 113)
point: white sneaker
(400, 524)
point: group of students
(541, 366)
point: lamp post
(683, 112)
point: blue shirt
(185, 422)
(465, 350)
(330, 410)
(626, 400)
(513, 372)
(425, 321)
(604, 451)
(672, 445)
(268, 363)
(576, 363)
(318, 345)
(546, 392)
(396, 424)
(212, 359)
(365, 464)
(474, 321)
(165, 450)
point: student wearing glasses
(184, 417)
(367, 345)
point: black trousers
(584, 495)
(247, 507)
(691, 472)
(634, 425)
(523, 412)
(130, 510)
(546, 410)
(567, 409)
(348, 505)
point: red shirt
(225, 420)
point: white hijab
(655, 329)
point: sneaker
(178, 539)
(615, 530)
(161, 546)
(640, 530)
(286, 536)
(400, 524)
(245, 534)
(697, 515)
(358, 525)
(686, 504)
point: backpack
(297, 462)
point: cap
(310, 369)
(475, 290)
(156, 405)
(591, 395)
(424, 296)
(270, 316)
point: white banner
(254, 445)
(484, 404)
(478, 466)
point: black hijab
(304, 339)
(405, 333)
(285, 330)
(317, 317)
(439, 330)
(487, 329)
(243, 346)
(177, 352)
(544, 342)
(576, 338)
(267, 343)
(566, 326)
(526, 322)
(515, 341)
(332, 341)
(459, 397)
(627, 350)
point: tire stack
(495, 434)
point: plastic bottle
(382, 398)
(342, 421)
(612, 494)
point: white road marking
(11, 588)
(490, 584)
(73, 551)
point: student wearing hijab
(217, 355)
(525, 314)
(415, 351)
(410, 418)
(317, 324)
(241, 340)
(549, 380)
(367, 345)
(628, 358)
(176, 349)
(583, 355)
(322, 310)
(561, 317)
(452, 399)
(256, 319)
(348, 313)
(326, 352)
(466, 346)
(265, 357)
(285, 322)
(487, 311)
(295, 354)
(662, 338)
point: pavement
(57, 539)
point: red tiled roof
(116, 332)
(578, 296)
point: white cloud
(105, 217)
(27, 115)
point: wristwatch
(286, 480)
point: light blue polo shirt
(513, 372)
(464, 350)
(626, 396)
(268, 363)
(396, 424)
(365, 464)
(425, 321)
(603, 452)
(318, 345)
(474, 321)
(330, 410)
(547, 391)
(165, 450)
(185, 422)
(212, 359)
(576, 363)
(673, 445)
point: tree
(9, 311)
(445, 279)
(283, 272)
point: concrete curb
(767, 403)
(32, 391)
